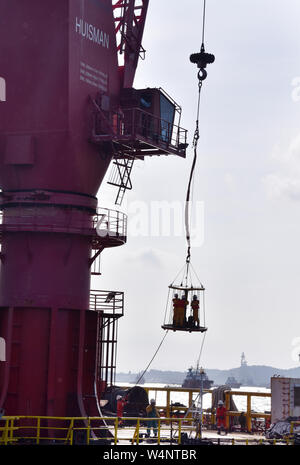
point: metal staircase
(120, 177)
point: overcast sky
(247, 178)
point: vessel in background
(193, 379)
(232, 382)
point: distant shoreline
(247, 375)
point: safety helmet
(220, 402)
(119, 397)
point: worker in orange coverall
(221, 417)
(182, 310)
(195, 307)
(121, 402)
(176, 305)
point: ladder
(120, 177)
(195, 411)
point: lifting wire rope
(202, 59)
(146, 369)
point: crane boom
(130, 17)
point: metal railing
(88, 430)
(34, 429)
(136, 124)
(139, 122)
(111, 303)
(209, 414)
(12, 428)
(250, 415)
(105, 224)
(110, 223)
(293, 423)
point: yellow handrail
(62, 428)
(11, 431)
(14, 429)
(292, 426)
(228, 394)
(249, 413)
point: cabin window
(2, 350)
(167, 113)
(2, 90)
(297, 396)
(146, 101)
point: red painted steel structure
(59, 61)
(54, 55)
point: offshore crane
(70, 111)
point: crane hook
(202, 74)
(202, 59)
